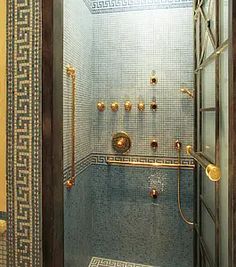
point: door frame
(52, 134)
(232, 133)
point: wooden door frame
(232, 133)
(52, 134)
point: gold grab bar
(72, 74)
(212, 171)
(149, 164)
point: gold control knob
(114, 106)
(141, 106)
(101, 106)
(121, 142)
(154, 144)
(153, 106)
(128, 106)
(154, 193)
(153, 78)
(178, 145)
(213, 172)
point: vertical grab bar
(72, 74)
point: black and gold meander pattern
(24, 119)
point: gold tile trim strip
(149, 164)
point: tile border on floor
(103, 262)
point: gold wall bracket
(70, 183)
(70, 71)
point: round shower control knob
(114, 106)
(153, 80)
(101, 106)
(153, 106)
(154, 144)
(121, 142)
(141, 106)
(128, 106)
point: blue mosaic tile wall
(126, 48)
(78, 222)
(110, 69)
(110, 214)
(77, 52)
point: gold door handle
(212, 171)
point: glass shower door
(211, 51)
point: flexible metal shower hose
(179, 198)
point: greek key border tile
(102, 262)
(101, 159)
(111, 6)
(23, 132)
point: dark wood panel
(52, 100)
(232, 133)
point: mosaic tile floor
(101, 262)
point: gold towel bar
(212, 171)
(72, 74)
(149, 164)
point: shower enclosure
(142, 80)
(123, 56)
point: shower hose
(179, 198)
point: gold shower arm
(187, 91)
(212, 171)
